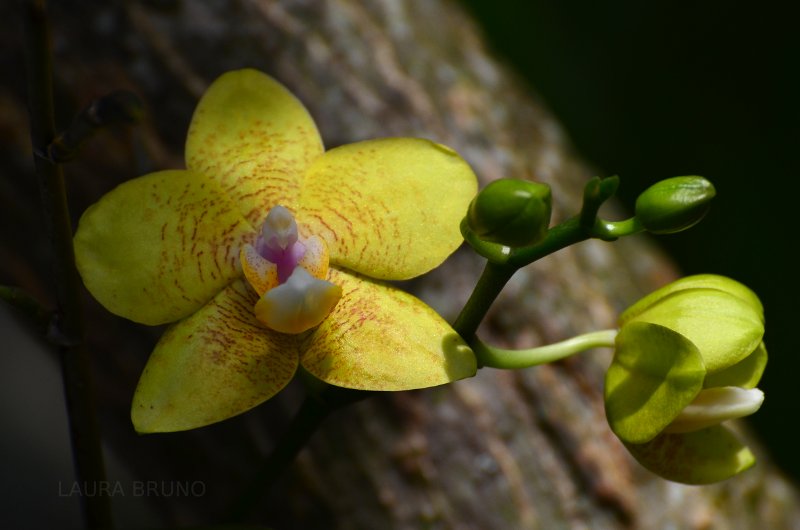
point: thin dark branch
(76, 373)
(118, 107)
(28, 306)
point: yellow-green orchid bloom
(171, 247)
(688, 357)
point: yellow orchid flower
(192, 247)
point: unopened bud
(511, 212)
(674, 204)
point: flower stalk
(504, 261)
(75, 365)
(490, 356)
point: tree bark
(527, 449)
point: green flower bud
(688, 357)
(674, 204)
(511, 212)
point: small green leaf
(701, 457)
(654, 375)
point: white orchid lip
(712, 406)
(299, 304)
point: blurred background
(650, 90)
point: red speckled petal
(157, 248)
(388, 208)
(252, 136)
(216, 364)
(381, 338)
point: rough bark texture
(504, 450)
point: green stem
(516, 359)
(560, 236)
(491, 251)
(75, 367)
(496, 275)
(503, 262)
(321, 400)
(494, 278)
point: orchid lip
(712, 406)
(299, 304)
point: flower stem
(320, 401)
(494, 278)
(304, 424)
(75, 367)
(516, 359)
(503, 262)
(496, 274)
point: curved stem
(494, 278)
(75, 367)
(491, 251)
(321, 399)
(516, 359)
(503, 262)
(560, 236)
(118, 107)
(496, 275)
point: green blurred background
(649, 90)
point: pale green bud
(688, 357)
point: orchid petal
(388, 208)
(381, 338)
(255, 139)
(157, 248)
(744, 374)
(724, 327)
(705, 281)
(215, 364)
(655, 374)
(701, 457)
